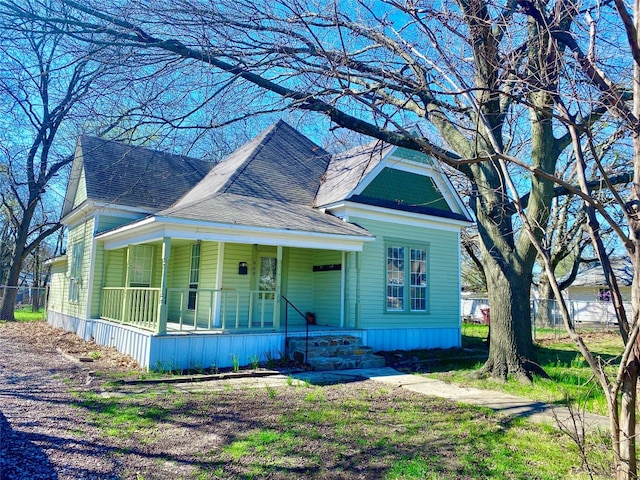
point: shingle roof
(593, 275)
(136, 176)
(230, 208)
(269, 182)
(279, 164)
(347, 169)
(277, 180)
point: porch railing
(132, 306)
(215, 309)
(289, 303)
(191, 309)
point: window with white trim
(418, 286)
(140, 265)
(194, 276)
(406, 278)
(75, 273)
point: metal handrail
(286, 326)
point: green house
(178, 262)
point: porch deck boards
(174, 328)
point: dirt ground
(41, 434)
(51, 427)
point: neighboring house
(183, 265)
(589, 296)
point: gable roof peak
(131, 175)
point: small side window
(75, 273)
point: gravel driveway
(42, 435)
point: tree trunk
(627, 467)
(511, 344)
(508, 263)
(35, 299)
(545, 304)
(7, 307)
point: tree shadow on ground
(20, 457)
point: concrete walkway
(503, 403)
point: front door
(263, 297)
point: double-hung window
(75, 272)
(406, 277)
(141, 265)
(194, 276)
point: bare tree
(492, 89)
(473, 275)
(466, 74)
(605, 81)
(39, 86)
(52, 88)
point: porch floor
(175, 329)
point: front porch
(191, 310)
(179, 285)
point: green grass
(571, 379)
(26, 314)
(354, 431)
(121, 419)
(347, 431)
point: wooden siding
(81, 192)
(234, 253)
(178, 277)
(205, 350)
(128, 340)
(297, 282)
(180, 260)
(390, 339)
(107, 222)
(97, 279)
(442, 281)
(83, 232)
(57, 287)
(208, 264)
(351, 307)
(156, 269)
(206, 280)
(233, 282)
(412, 155)
(327, 288)
(115, 264)
(406, 188)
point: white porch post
(125, 300)
(343, 288)
(357, 299)
(352, 291)
(276, 306)
(217, 321)
(162, 308)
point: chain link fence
(30, 302)
(545, 314)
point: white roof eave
(346, 209)
(155, 228)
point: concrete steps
(333, 352)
